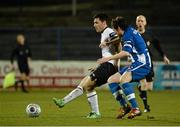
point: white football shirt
(106, 35)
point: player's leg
(143, 90)
(128, 88)
(78, 91)
(22, 81)
(143, 95)
(130, 95)
(86, 84)
(19, 82)
(150, 85)
(91, 97)
(27, 78)
(150, 80)
(16, 84)
(23, 68)
(118, 94)
(100, 76)
(137, 74)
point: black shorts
(24, 69)
(150, 75)
(102, 73)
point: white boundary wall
(52, 73)
(69, 73)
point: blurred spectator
(22, 53)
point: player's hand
(166, 60)
(102, 44)
(103, 60)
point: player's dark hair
(101, 16)
(119, 22)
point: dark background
(55, 32)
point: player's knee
(143, 87)
(110, 80)
(113, 79)
(122, 80)
(92, 77)
(150, 89)
(89, 88)
(150, 86)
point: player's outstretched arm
(114, 57)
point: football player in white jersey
(98, 76)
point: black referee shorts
(102, 73)
(150, 75)
(24, 69)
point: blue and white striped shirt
(135, 45)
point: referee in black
(151, 40)
(22, 53)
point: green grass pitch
(165, 106)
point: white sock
(93, 101)
(73, 94)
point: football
(33, 110)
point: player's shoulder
(128, 32)
(108, 30)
